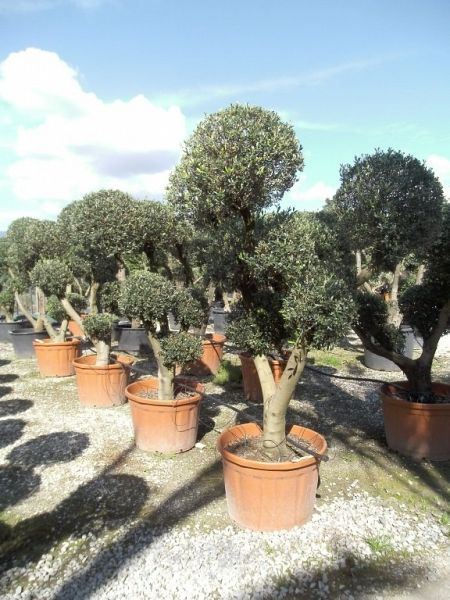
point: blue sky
(101, 93)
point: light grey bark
(395, 317)
(72, 313)
(166, 377)
(37, 324)
(102, 349)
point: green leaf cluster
(180, 349)
(52, 276)
(98, 327)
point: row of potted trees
(301, 281)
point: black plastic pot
(22, 341)
(7, 326)
(220, 318)
(379, 363)
(133, 340)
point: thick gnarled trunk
(37, 324)
(166, 377)
(102, 348)
(276, 400)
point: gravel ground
(87, 515)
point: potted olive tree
(164, 409)
(388, 208)
(416, 412)
(237, 164)
(28, 241)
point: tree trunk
(166, 388)
(420, 273)
(276, 401)
(93, 291)
(395, 317)
(37, 324)
(121, 273)
(135, 323)
(102, 349)
(72, 313)
(61, 335)
(187, 269)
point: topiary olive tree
(150, 297)
(391, 207)
(30, 240)
(237, 164)
(98, 328)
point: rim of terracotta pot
(88, 362)
(273, 361)
(389, 396)
(153, 383)
(49, 342)
(214, 338)
(253, 430)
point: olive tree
(150, 297)
(391, 206)
(238, 163)
(388, 207)
(29, 240)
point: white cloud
(311, 197)
(441, 167)
(78, 143)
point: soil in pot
(417, 429)
(268, 496)
(101, 386)
(212, 354)
(55, 359)
(165, 426)
(22, 341)
(250, 378)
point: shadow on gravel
(4, 362)
(12, 407)
(206, 419)
(102, 504)
(4, 390)
(10, 431)
(8, 378)
(49, 449)
(16, 484)
(186, 500)
(378, 574)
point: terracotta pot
(269, 496)
(161, 425)
(55, 359)
(250, 378)
(101, 386)
(416, 429)
(75, 329)
(209, 362)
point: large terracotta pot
(101, 386)
(250, 378)
(55, 359)
(416, 429)
(164, 426)
(212, 353)
(269, 496)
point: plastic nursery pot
(101, 386)
(416, 429)
(7, 326)
(164, 425)
(133, 340)
(212, 353)
(22, 341)
(220, 318)
(250, 378)
(269, 496)
(379, 363)
(55, 359)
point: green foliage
(78, 302)
(180, 349)
(240, 159)
(7, 300)
(189, 307)
(54, 309)
(372, 317)
(149, 297)
(228, 373)
(389, 203)
(98, 327)
(108, 297)
(30, 240)
(52, 276)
